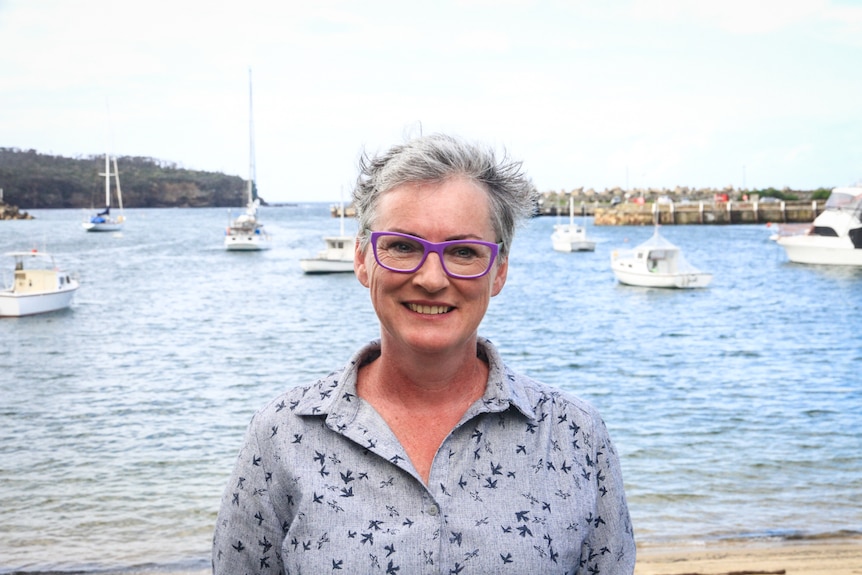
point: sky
(586, 93)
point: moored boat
(37, 285)
(104, 221)
(246, 232)
(657, 263)
(337, 257)
(571, 237)
(835, 236)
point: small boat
(246, 233)
(657, 263)
(103, 221)
(835, 237)
(337, 257)
(37, 285)
(571, 237)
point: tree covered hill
(38, 181)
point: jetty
(704, 213)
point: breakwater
(719, 213)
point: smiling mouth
(429, 309)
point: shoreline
(840, 555)
(826, 555)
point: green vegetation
(821, 193)
(785, 195)
(38, 181)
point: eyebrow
(450, 239)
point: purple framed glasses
(462, 259)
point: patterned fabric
(528, 482)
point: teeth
(429, 309)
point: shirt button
(433, 510)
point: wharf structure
(681, 206)
(729, 212)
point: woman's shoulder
(323, 395)
(548, 398)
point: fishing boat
(104, 221)
(336, 257)
(571, 237)
(246, 232)
(657, 263)
(835, 236)
(37, 285)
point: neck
(424, 384)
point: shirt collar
(335, 395)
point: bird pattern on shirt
(528, 482)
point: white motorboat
(37, 285)
(835, 237)
(571, 237)
(337, 257)
(657, 263)
(104, 221)
(246, 232)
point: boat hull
(103, 227)
(17, 305)
(821, 250)
(247, 242)
(324, 266)
(633, 277)
(574, 246)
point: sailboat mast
(107, 181)
(251, 174)
(117, 180)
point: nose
(431, 276)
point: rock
(8, 212)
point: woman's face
(427, 311)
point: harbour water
(736, 410)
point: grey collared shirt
(527, 482)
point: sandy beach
(804, 557)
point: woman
(425, 453)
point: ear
(359, 266)
(500, 277)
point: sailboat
(571, 237)
(246, 233)
(104, 221)
(337, 257)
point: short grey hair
(436, 158)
